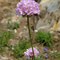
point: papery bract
(29, 53)
(28, 7)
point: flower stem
(32, 58)
(30, 36)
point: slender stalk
(30, 36)
(32, 58)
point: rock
(15, 19)
(56, 38)
(51, 32)
(58, 28)
(12, 48)
(1, 15)
(47, 18)
(6, 48)
(52, 5)
(45, 23)
(4, 21)
(54, 51)
(35, 31)
(4, 58)
(7, 8)
(25, 27)
(26, 37)
(22, 34)
(12, 42)
(15, 31)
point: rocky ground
(49, 14)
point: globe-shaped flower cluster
(27, 7)
(29, 53)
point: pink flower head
(29, 53)
(28, 7)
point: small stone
(6, 48)
(36, 31)
(26, 37)
(4, 21)
(58, 29)
(51, 32)
(25, 27)
(11, 42)
(56, 38)
(20, 34)
(55, 51)
(15, 31)
(12, 48)
(4, 58)
(51, 51)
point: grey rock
(52, 5)
(4, 21)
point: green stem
(30, 36)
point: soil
(45, 22)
